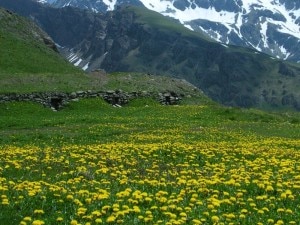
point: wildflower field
(94, 164)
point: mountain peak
(270, 26)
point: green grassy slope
(27, 63)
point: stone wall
(56, 100)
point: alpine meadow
(91, 163)
(168, 153)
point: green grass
(28, 68)
(22, 56)
(165, 164)
(30, 121)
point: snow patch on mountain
(67, 4)
(110, 4)
(46, 1)
(75, 59)
(263, 31)
(86, 66)
(284, 51)
(168, 9)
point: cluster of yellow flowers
(176, 174)
(158, 183)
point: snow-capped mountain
(270, 26)
(137, 39)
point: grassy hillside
(92, 163)
(27, 63)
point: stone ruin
(56, 100)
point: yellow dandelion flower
(288, 192)
(5, 201)
(38, 222)
(289, 211)
(210, 206)
(88, 200)
(283, 195)
(244, 211)
(242, 216)
(27, 219)
(74, 222)
(196, 222)
(136, 209)
(96, 213)
(206, 213)
(140, 217)
(111, 219)
(70, 197)
(265, 209)
(98, 220)
(215, 219)
(230, 216)
(106, 207)
(291, 197)
(239, 194)
(173, 216)
(188, 209)
(260, 211)
(164, 208)
(183, 214)
(148, 219)
(280, 210)
(148, 199)
(279, 222)
(59, 219)
(148, 212)
(269, 188)
(38, 211)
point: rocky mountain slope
(270, 26)
(29, 62)
(136, 39)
